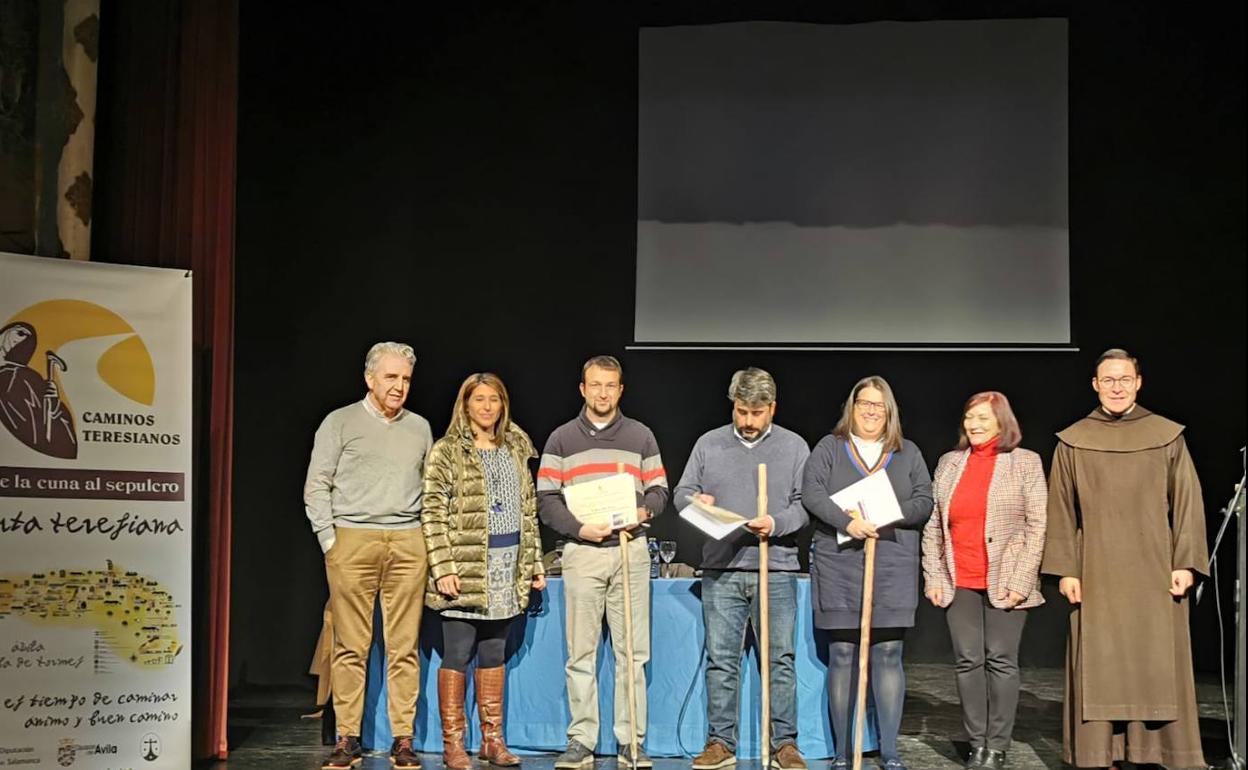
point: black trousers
(460, 638)
(985, 648)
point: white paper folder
(873, 497)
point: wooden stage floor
(268, 733)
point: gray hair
(753, 387)
(387, 349)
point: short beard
(751, 434)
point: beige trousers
(593, 584)
(362, 564)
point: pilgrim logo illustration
(42, 344)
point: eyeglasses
(1126, 382)
(870, 406)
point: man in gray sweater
(723, 470)
(363, 494)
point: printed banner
(95, 515)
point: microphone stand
(1234, 508)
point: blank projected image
(890, 182)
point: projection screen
(885, 182)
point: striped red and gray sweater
(577, 451)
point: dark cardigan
(836, 570)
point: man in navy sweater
(723, 470)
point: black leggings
(460, 637)
(887, 683)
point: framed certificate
(610, 500)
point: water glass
(667, 552)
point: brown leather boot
(489, 683)
(451, 707)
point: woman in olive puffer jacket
(479, 518)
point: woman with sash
(866, 440)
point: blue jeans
(729, 605)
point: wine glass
(667, 552)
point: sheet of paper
(715, 512)
(873, 497)
(609, 500)
(714, 521)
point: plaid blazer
(1013, 527)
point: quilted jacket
(455, 519)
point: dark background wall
(462, 176)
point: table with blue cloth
(537, 713)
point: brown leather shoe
(489, 682)
(451, 709)
(347, 753)
(788, 758)
(403, 755)
(714, 756)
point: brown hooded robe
(1124, 511)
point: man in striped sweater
(586, 448)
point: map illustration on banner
(95, 518)
(131, 615)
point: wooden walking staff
(628, 643)
(764, 606)
(864, 642)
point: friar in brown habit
(1126, 532)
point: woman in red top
(981, 560)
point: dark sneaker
(976, 759)
(714, 756)
(403, 755)
(623, 757)
(787, 757)
(838, 763)
(347, 753)
(893, 763)
(575, 757)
